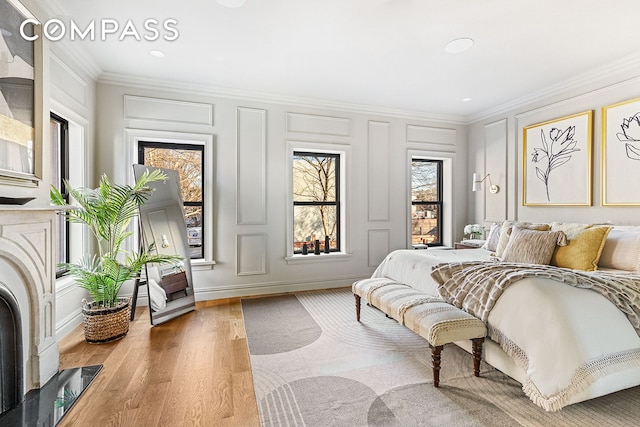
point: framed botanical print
(621, 153)
(20, 84)
(556, 162)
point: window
(188, 161)
(316, 200)
(59, 136)
(426, 202)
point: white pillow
(492, 239)
(621, 250)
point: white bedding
(413, 267)
(565, 344)
(157, 296)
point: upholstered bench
(437, 321)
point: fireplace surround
(27, 299)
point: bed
(563, 343)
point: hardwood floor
(191, 371)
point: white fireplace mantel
(27, 270)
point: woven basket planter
(102, 324)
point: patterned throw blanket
(476, 286)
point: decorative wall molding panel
(167, 110)
(379, 246)
(431, 135)
(322, 125)
(251, 167)
(378, 170)
(495, 163)
(66, 82)
(251, 254)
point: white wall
(378, 183)
(72, 96)
(495, 146)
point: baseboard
(68, 324)
(254, 289)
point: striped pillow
(505, 232)
(532, 246)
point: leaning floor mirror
(162, 223)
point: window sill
(311, 258)
(65, 282)
(202, 265)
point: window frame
(63, 166)
(134, 136)
(336, 203)
(439, 202)
(344, 150)
(145, 143)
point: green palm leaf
(108, 211)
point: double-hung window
(426, 202)
(316, 201)
(59, 137)
(188, 161)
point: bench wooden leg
(477, 355)
(435, 360)
(357, 306)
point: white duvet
(568, 344)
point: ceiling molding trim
(221, 92)
(597, 75)
(79, 56)
(634, 81)
(64, 47)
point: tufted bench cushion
(437, 321)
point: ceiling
(376, 53)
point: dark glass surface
(47, 405)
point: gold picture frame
(21, 80)
(621, 153)
(556, 161)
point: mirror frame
(166, 202)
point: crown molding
(580, 82)
(64, 47)
(256, 96)
(79, 57)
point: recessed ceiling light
(157, 53)
(466, 99)
(231, 3)
(458, 45)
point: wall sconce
(476, 183)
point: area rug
(313, 364)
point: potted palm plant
(108, 211)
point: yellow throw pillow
(583, 251)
